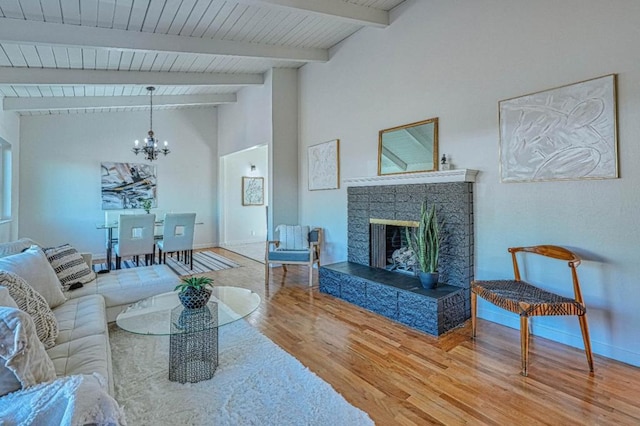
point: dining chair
(177, 236)
(527, 300)
(135, 238)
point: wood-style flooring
(400, 376)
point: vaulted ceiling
(69, 56)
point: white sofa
(82, 345)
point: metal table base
(193, 347)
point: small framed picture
(252, 191)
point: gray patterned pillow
(69, 265)
(33, 303)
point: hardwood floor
(405, 377)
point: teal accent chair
(296, 245)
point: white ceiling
(71, 56)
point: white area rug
(256, 383)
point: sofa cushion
(86, 355)
(80, 317)
(21, 352)
(31, 302)
(69, 265)
(33, 266)
(126, 286)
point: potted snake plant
(194, 292)
(425, 240)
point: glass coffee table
(193, 348)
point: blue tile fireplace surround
(397, 295)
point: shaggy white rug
(256, 383)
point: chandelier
(150, 146)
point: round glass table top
(157, 314)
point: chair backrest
(554, 252)
(135, 234)
(293, 237)
(177, 232)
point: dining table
(111, 225)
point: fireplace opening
(389, 249)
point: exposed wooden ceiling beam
(52, 34)
(338, 9)
(72, 77)
(84, 102)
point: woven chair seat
(525, 299)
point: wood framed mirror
(410, 148)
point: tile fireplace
(374, 279)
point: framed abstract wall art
(127, 185)
(565, 133)
(324, 165)
(252, 191)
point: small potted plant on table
(425, 243)
(194, 292)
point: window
(5, 180)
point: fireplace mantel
(457, 175)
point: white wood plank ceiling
(72, 56)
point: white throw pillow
(21, 352)
(31, 302)
(69, 266)
(17, 246)
(293, 237)
(33, 266)
(6, 299)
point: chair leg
(310, 275)
(266, 272)
(524, 343)
(587, 342)
(118, 261)
(474, 305)
(191, 258)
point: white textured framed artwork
(324, 165)
(127, 185)
(252, 191)
(566, 133)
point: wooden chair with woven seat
(527, 300)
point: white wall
(268, 114)
(10, 131)
(283, 155)
(455, 61)
(243, 224)
(246, 123)
(60, 171)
